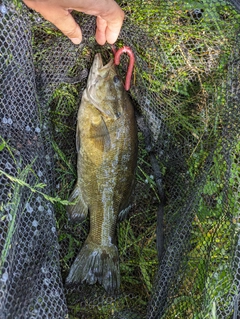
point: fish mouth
(97, 64)
(97, 69)
(98, 73)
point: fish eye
(115, 79)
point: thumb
(68, 26)
(60, 17)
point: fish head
(105, 89)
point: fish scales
(106, 141)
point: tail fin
(77, 212)
(96, 263)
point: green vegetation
(185, 76)
(18, 184)
(208, 283)
(187, 68)
(21, 179)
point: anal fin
(79, 210)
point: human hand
(109, 17)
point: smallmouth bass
(106, 139)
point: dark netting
(179, 248)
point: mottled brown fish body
(107, 157)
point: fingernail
(76, 40)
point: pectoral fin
(99, 134)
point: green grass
(186, 78)
(187, 70)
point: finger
(112, 34)
(60, 17)
(101, 31)
(108, 30)
(109, 24)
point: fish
(106, 141)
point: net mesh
(179, 247)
